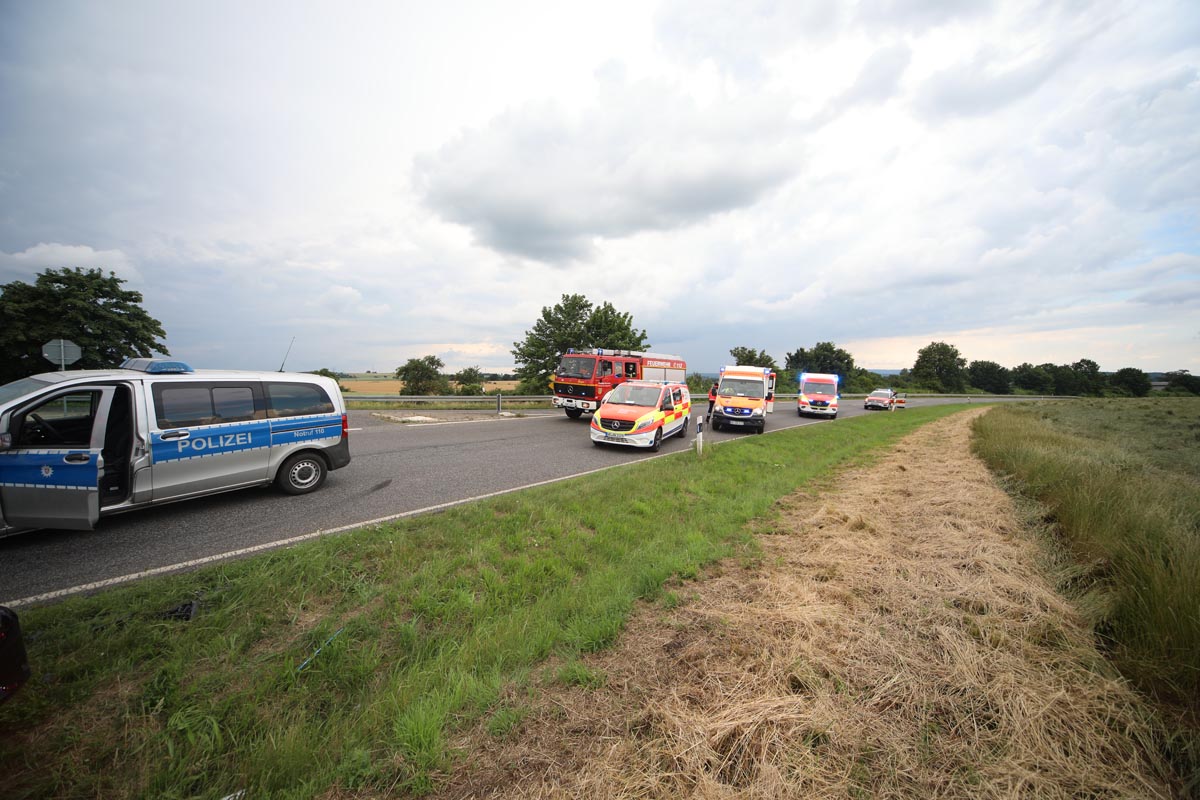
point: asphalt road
(395, 468)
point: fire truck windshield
(576, 367)
(629, 395)
(742, 387)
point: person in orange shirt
(712, 399)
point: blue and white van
(82, 444)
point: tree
(939, 366)
(824, 357)
(1065, 379)
(1131, 380)
(989, 376)
(573, 322)
(328, 373)
(748, 356)
(1183, 380)
(85, 306)
(423, 376)
(470, 381)
(1033, 379)
(1089, 379)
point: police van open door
(770, 391)
(50, 459)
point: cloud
(43, 256)
(542, 184)
(348, 300)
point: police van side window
(297, 400)
(65, 421)
(190, 405)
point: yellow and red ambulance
(585, 376)
(745, 395)
(642, 414)
(818, 394)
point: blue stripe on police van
(246, 436)
(31, 469)
(212, 440)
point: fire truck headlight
(644, 423)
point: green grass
(406, 632)
(1118, 481)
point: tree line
(107, 321)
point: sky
(384, 181)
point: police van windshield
(576, 367)
(630, 395)
(742, 387)
(818, 387)
(19, 388)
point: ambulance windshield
(11, 391)
(630, 395)
(576, 367)
(818, 387)
(742, 387)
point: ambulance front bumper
(641, 439)
(829, 411)
(753, 421)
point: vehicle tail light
(345, 425)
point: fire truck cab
(585, 377)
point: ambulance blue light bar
(157, 366)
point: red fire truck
(585, 376)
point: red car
(880, 398)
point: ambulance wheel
(683, 428)
(301, 474)
(799, 413)
(574, 413)
(657, 441)
(716, 426)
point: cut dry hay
(897, 640)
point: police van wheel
(301, 474)
(657, 443)
(574, 413)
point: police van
(82, 444)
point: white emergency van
(82, 444)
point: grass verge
(1117, 481)
(346, 664)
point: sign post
(62, 352)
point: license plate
(610, 437)
(736, 422)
